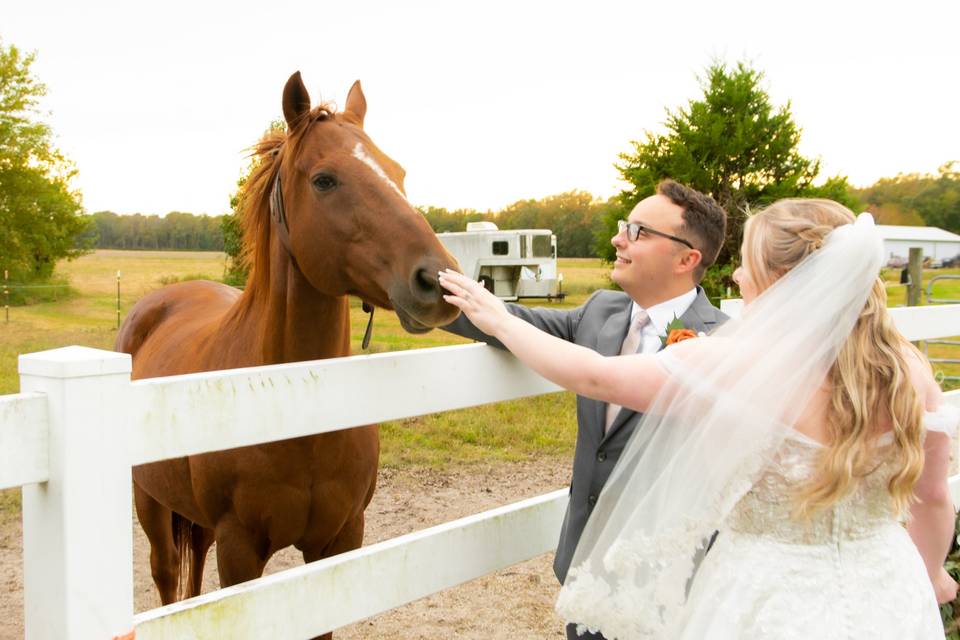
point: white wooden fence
(70, 438)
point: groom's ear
(690, 261)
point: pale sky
(483, 103)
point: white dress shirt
(660, 316)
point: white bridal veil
(725, 410)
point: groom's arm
(561, 323)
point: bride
(796, 440)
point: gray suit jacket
(600, 324)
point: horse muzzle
(419, 302)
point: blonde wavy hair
(870, 379)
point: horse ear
(296, 100)
(356, 103)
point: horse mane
(254, 198)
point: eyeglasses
(634, 229)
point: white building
(937, 244)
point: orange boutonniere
(679, 335)
(677, 332)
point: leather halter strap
(278, 214)
(367, 308)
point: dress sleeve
(668, 361)
(944, 420)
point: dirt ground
(515, 603)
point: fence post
(118, 299)
(915, 269)
(77, 526)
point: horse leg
(200, 540)
(240, 556)
(157, 523)
(349, 538)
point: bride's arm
(630, 381)
(932, 517)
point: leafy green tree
(733, 144)
(40, 214)
(237, 268)
(574, 217)
(442, 220)
(918, 199)
(940, 204)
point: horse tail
(182, 540)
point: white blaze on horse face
(361, 154)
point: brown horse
(324, 217)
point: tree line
(175, 231)
(732, 142)
(576, 217)
(917, 199)
(573, 216)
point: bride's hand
(945, 587)
(485, 310)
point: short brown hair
(704, 221)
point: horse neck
(287, 320)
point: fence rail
(925, 323)
(931, 299)
(241, 407)
(392, 573)
(23, 439)
(80, 423)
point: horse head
(338, 207)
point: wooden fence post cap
(74, 362)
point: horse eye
(325, 182)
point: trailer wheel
(487, 283)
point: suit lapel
(701, 315)
(609, 341)
(614, 330)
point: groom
(663, 249)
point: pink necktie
(631, 344)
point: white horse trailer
(512, 263)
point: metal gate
(950, 343)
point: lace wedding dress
(849, 572)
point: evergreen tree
(733, 144)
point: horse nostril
(426, 283)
